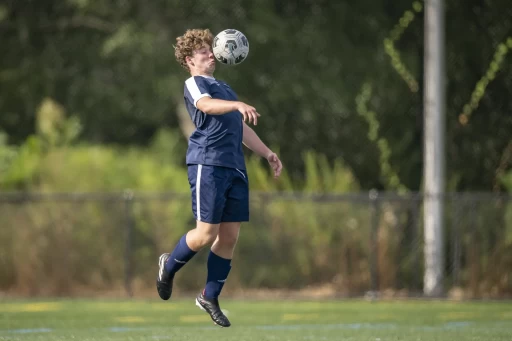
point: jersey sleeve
(196, 88)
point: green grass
(180, 320)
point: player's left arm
(252, 141)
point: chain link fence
(330, 245)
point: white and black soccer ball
(230, 47)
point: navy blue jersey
(217, 140)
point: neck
(197, 73)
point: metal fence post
(129, 226)
(416, 238)
(374, 229)
(458, 205)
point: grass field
(180, 320)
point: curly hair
(192, 40)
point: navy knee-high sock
(179, 256)
(218, 270)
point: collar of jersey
(210, 77)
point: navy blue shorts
(219, 194)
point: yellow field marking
(194, 318)
(29, 307)
(385, 317)
(457, 315)
(130, 319)
(129, 306)
(507, 315)
(166, 307)
(299, 317)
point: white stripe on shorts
(198, 192)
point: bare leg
(224, 244)
(204, 234)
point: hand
(275, 163)
(248, 112)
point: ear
(189, 60)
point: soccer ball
(230, 47)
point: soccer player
(216, 172)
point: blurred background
(93, 136)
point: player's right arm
(197, 90)
(213, 106)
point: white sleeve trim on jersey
(198, 98)
(194, 90)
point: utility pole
(434, 149)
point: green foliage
(110, 64)
(53, 127)
(21, 165)
(389, 175)
(51, 161)
(7, 154)
(389, 45)
(507, 181)
(83, 168)
(483, 83)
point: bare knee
(204, 234)
(227, 240)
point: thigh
(208, 186)
(237, 200)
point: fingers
(276, 164)
(250, 114)
(278, 169)
(253, 116)
(245, 116)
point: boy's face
(202, 61)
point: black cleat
(211, 306)
(164, 280)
